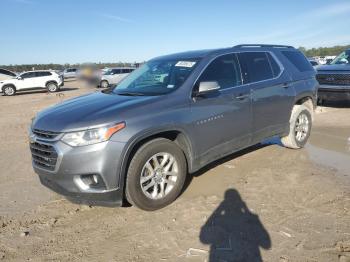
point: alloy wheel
(159, 175)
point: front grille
(45, 134)
(43, 155)
(334, 79)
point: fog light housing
(90, 181)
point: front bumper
(72, 163)
(334, 93)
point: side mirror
(207, 87)
(19, 78)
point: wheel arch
(176, 135)
(10, 84)
(309, 102)
(51, 81)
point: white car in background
(6, 74)
(114, 75)
(32, 80)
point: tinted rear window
(256, 66)
(43, 74)
(298, 60)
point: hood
(10, 80)
(340, 67)
(88, 111)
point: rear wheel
(156, 175)
(300, 127)
(104, 84)
(52, 87)
(9, 90)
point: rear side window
(39, 74)
(255, 66)
(126, 71)
(298, 60)
(225, 70)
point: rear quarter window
(298, 60)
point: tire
(300, 127)
(146, 194)
(104, 84)
(9, 90)
(52, 87)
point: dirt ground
(265, 203)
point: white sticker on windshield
(185, 63)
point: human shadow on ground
(233, 232)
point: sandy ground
(266, 202)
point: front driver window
(225, 70)
(28, 75)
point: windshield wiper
(130, 94)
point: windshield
(156, 77)
(343, 58)
(109, 72)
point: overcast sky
(67, 31)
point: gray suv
(169, 118)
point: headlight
(91, 136)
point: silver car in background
(114, 75)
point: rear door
(115, 76)
(124, 73)
(42, 78)
(222, 119)
(272, 93)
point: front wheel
(156, 175)
(300, 127)
(104, 84)
(9, 90)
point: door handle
(242, 96)
(285, 85)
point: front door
(28, 80)
(223, 117)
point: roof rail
(264, 45)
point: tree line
(321, 51)
(324, 51)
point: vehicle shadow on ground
(62, 89)
(233, 232)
